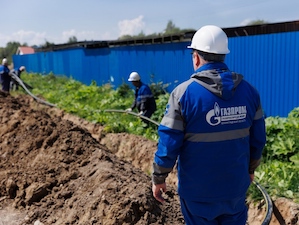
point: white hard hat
(134, 76)
(4, 61)
(22, 68)
(210, 39)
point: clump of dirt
(56, 168)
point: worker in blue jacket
(16, 72)
(144, 99)
(5, 76)
(214, 128)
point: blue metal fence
(270, 62)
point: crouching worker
(16, 72)
(144, 99)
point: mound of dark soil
(55, 172)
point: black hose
(268, 201)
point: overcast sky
(36, 21)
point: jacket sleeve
(257, 140)
(171, 139)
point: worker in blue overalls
(5, 76)
(144, 99)
(214, 129)
(16, 72)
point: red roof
(25, 50)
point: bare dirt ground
(56, 168)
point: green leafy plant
(279, 170)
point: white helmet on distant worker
(210, 39)
(22, 68)
(4, 61)
(134, 76)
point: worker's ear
(197, 60)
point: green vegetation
(280, 168)
(170, 29)
(257, 22)
(90, 102)
(278, 172)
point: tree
(171, 29)
(125, 37)
(72, 39)
(10, 50)
(47, 44)
(141, 35)
(257, 22)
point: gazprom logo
(217, 115)
(213, 116)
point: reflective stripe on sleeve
(217, 136)
(176, 124)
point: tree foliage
(72, 39)
(127, 36)
(47, 44)
(170, 29)
(257, 22)
(10, 49)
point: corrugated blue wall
(169, 63)
(269, 62)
